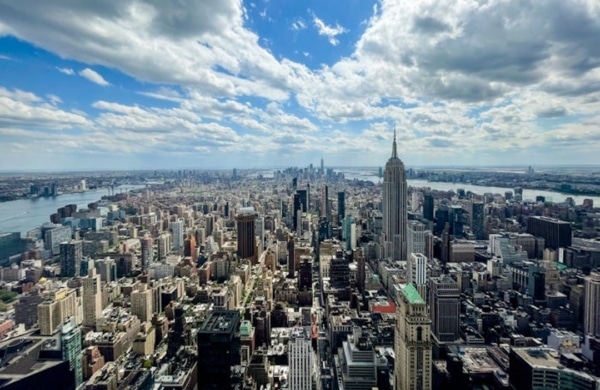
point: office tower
(305, 274)
(260, 231)
(442, 216)
(294, 184)
(70, 258)
(53, 238)
(322, 166)
(415, 238)
(339, 271)
(107, 269)
(297, 209)
(290, 256)
(477, 216)
(444, 306)
(141, 303)
(457, 221)
(246, 233)
(341, 206)
(189, 247)
(360, 269)
(428, 207)
(218, 349)
(417, 272)
(394, 206)
(92, 298)
(325, 202)
(163, 245)
(146, 244)
(412, 368)
(414, 202)
(557, 233)
(347, 229)
(303, 197)
(70, 341)
(591, 319)
(300, 360)
(177, 232)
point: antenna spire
(394, 147)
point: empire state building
(394, 207)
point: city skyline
(142, 85)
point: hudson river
(23, 215)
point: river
(22, 215)
(528, 194)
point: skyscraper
(415, 238)
(325, 202)
(412, 368)
(177, 229)
(394, 207)
(70, 258)
(146, 244)
(341, 206)
(591, 319)
(291, 257)
(70, 340)
(218, 349)
(246, 232)
(92, 298)
(417, 272)
(477, 218)
(299, 356)
(444, 306)
(428, 207)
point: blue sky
(146, 84)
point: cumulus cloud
(93, 76)
(67, 71)
(481, 72)
(331, 32)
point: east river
(23, 215)
(528, 194)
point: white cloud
(94, 77)
(298, 25)
(67, 71)
(331, 32)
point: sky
(153, 84)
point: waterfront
(528, 194)
(23, 215)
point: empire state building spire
(394, 147)
(394, 194)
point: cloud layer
(464, 81)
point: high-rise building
(70, 340)
(71, 254)
(476, 218)
(177, 231)
(412, 368)
(557, 233)
(146, 244)
(415, 238)
(394, 206)
(428, 207)
(360, 269)
(92, 298)
(246, 233)
(163, 246)
(341, 211)
(141, 304)
(300, 360)
(189, 247)
(444, 306)
(591, 315)
(218, 349)
(325, 212)
(417, 272)
(291, 256)
(304, 198)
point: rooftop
(411, 294)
